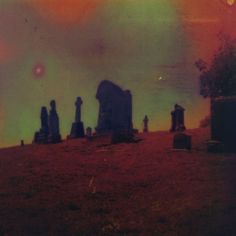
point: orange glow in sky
(204, 19)
(67, 11)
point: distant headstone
(177, 119)
(182, 141)
(54, 130)
(115, 110)
(77, 129)
(41, 136)
(145, 124)
(223, 123)
(22, 144)
(89, 132)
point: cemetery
(113, 179)
(86, 186)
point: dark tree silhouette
(219, 78)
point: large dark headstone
(77, 129)
(182, 141)
(42, 135)
(115, 111)
(54, 130)
(177, 119)
(223, 122)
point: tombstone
(177, 119)
(54, 130)
(182, 141)
(215, 146)
(41, 136)
(223, 124)
(22, 144)
(115, 109)
(89, 132)
(145, 124)
(77, 129)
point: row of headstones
(177, 120)
(223, 127)
(50, 131)
(180, 140)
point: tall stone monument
(115, 109)
(77, 129)
(41, 136)
(177, 119)
(54, 130)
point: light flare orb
(39, 70)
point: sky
(62, 49)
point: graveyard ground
(89, 188)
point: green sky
(141, 46)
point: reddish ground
(84, 188)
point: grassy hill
(91, 188)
